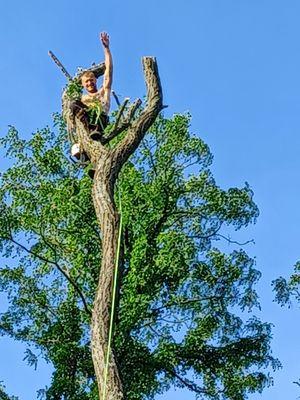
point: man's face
(89, 82)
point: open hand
(104, 37)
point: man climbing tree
(96, 101)
(89, 82)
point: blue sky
(234, 64)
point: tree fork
(108, 163)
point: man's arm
(107, 79)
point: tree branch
(61, 270)
(186, 382)
(120, 112)
(235, 242)
(119, 128)
(184, 301)
(151, 162)
(147, 117)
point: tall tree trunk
(108, 164)
(107, 215)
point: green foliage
(4, 395)
(180, 314)
(74, 89)
(94, 112)
(288, 289)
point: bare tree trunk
(107, 215)
(108, 164)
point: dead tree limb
(147, 117)
(125, 123)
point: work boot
(96, 135)
(79, 110)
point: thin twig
(186, 382)
(120, 112)
(235, 242)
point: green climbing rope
(113, 302)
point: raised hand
(104, 37)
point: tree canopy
(180, 312)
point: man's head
(89, 82)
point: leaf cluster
(74, 89)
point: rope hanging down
(113, 302)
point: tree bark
(103, 198)
(108, 165)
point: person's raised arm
(107, 79)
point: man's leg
(97, 130)
(79, 110)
